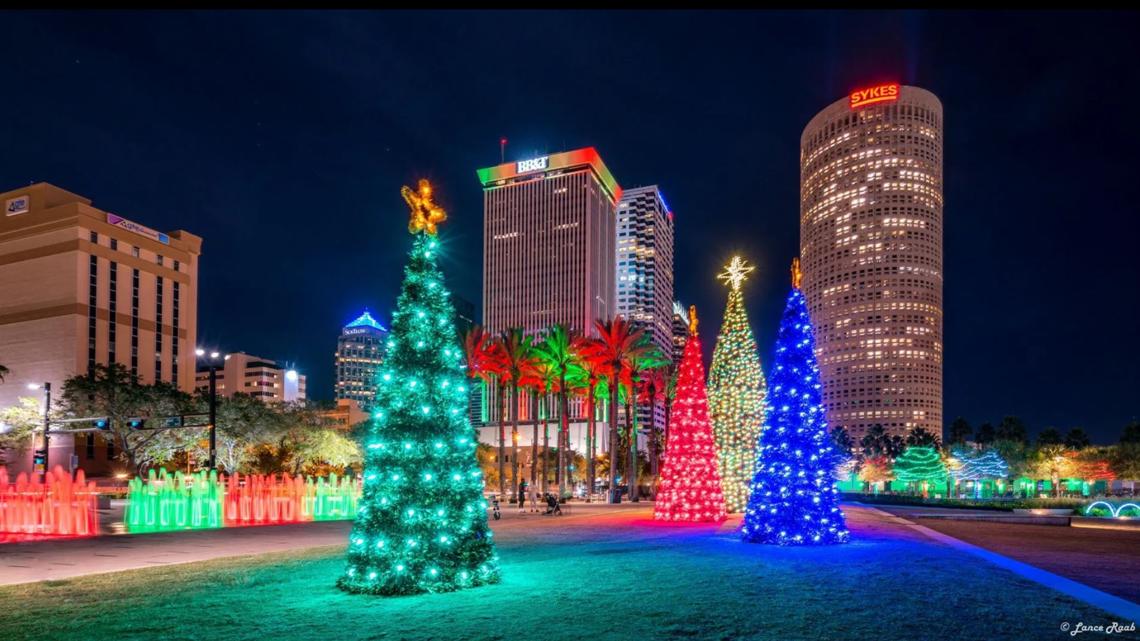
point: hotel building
(81, 287)
(871, 252)
(259, 377)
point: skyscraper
(548, 242)
(871, 249)
(548, 245)
(359, 354)
(258, 377)
(644, 269)
(680, 332)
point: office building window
(114, 243)
(92, 302)
(158, 329)
(135, 252)
(113, 306)
(135, 322)
(175, 312)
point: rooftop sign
(119, 221)
(490, 176)
(873, 95)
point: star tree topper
(735, 272)
(426, 214)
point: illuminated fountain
(1113, 509)
(174, 502)
(332, 499)
(60, 506)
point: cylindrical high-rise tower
(871, 248)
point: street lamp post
(47, 426)
(213, 405)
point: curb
(1103, 600)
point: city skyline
(149, 149)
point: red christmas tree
(690, 489)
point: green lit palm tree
(591, 376)
(559, 357)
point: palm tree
(653, 385)
(644, 359)
(517, 359)
(559, 357)
(593, 370)
(618, 344)
(484, 362)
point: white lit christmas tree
(422, 521)
(736, 392)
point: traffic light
(102, 423)
(136, 423)
(38, 458)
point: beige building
(871, 251)
(80, 286)
(253, 375)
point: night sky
(283, 139)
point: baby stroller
(552, 507)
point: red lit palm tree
(484, 362)
(653, 384)
(619, 345)
(590, 376)
(517, 358)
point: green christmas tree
(422, 521)
(736, 393)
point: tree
(18, 423)
(921, 437)
(1053, 462)
(644, 359)
(1125, 461)
(111, 391)
(985, 434)
(793, 498)
(920, 465)
(1011, 428)
(959, 432)
(1131, 433)
(736, 392)
(421, 525)
(876, 469)
(556, 352)
(877, 442)
(690, 489)
(517, 353)
(243, 424)
(617, 345)
(592, 374)
(1050, 436)
(309, 441)
(653, 384)
(1077, 439)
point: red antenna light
(502, 150)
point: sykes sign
(873, 95)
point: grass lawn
(584, 579)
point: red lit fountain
(59, 506)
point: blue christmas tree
(422, 521)
(793, 500)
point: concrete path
(27, 562)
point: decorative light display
(422, 522)
(920, 464)
(690, 489)
(60, 506)
(736, 392)
(164, 502)
(974, 465)
(793, 499)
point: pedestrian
(532, 494)
(522, 496)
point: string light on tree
(736, 390)
(690, 489)
(421, 525)
(793, 498)
(921, 465)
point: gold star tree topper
(426, 214)
(735, 272)
(693, 320)
(797, 274)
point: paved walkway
(55, 559)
